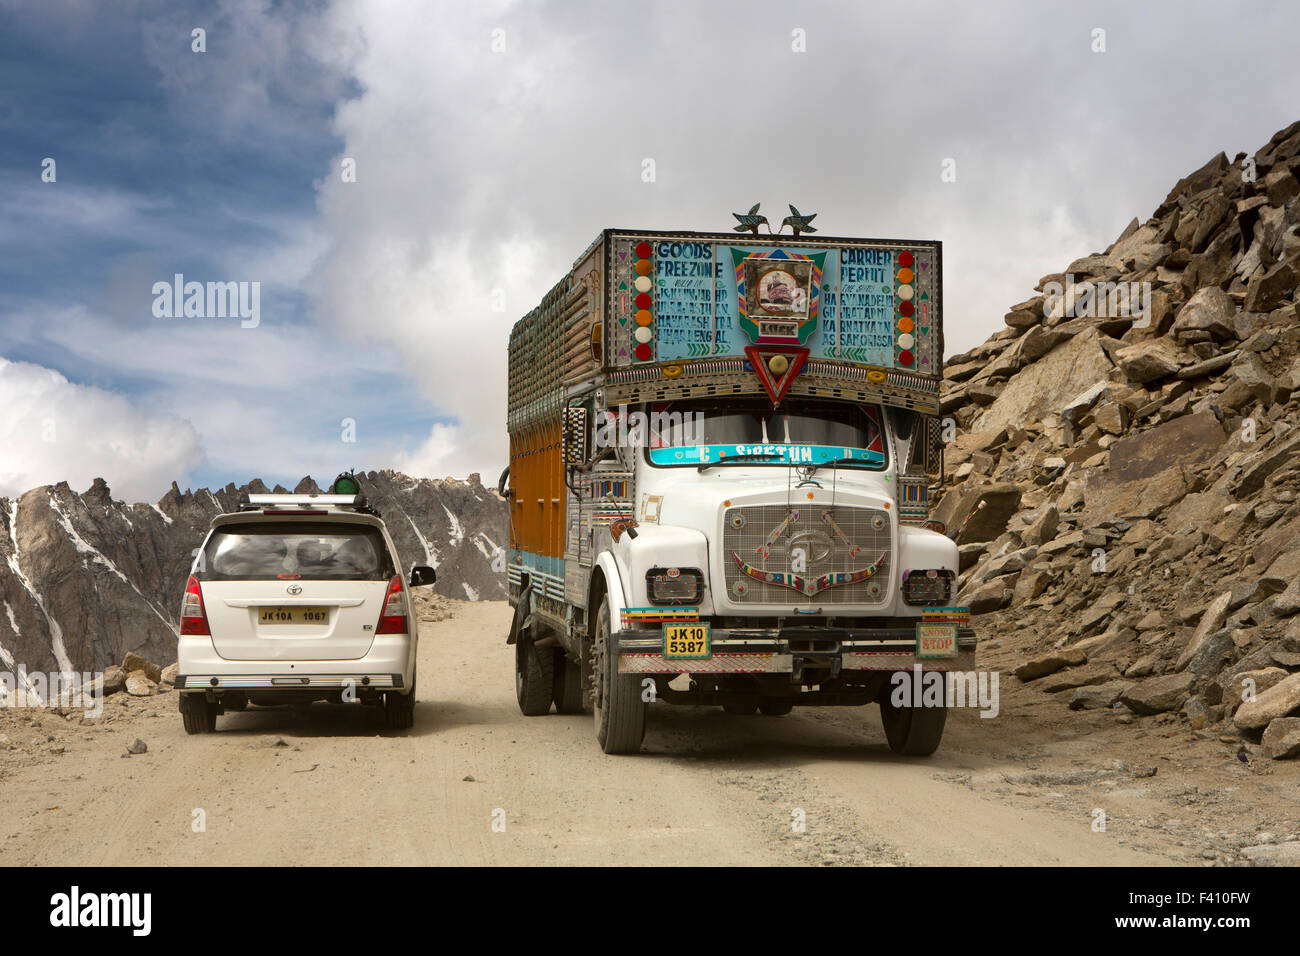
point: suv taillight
(392, 620)
(193, 618)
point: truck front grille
(832, 540)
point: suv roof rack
(308, 503)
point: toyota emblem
(294, 589)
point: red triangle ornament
(776, 385)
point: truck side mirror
(422, 574)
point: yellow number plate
(687, 641)
(293, 615)
(936, 640)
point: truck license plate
(293, 615)
(687, 641)
(936, 640)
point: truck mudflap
(791, 651)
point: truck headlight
(674, 586)
(931, 587)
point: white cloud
(54, 430)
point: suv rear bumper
(387, 666)
(791, 650)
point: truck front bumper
(792, 650)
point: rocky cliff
(1131, 436)
(85, 579)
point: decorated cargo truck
(721, 452)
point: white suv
(293, 599)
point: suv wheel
(198, 714)
(619, 709)
(399, 710)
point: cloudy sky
(491, 141)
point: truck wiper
(729, 458)
(860, 462)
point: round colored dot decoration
(905, 324)
(906, 358)
(643, 300)
(905, 292)
(643, 317)
(906, 308)
(643, 250)
(643, 267)
(642, 352)
(778, 364)
(905, 259)
(905, 275)
(642, 335)
(905, 341)
(642, 284)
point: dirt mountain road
(477, 783)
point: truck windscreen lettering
(799, 432)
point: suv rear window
(297, 550)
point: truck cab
(748, 529)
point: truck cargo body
(721, 452)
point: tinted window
(296, 551)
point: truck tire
(569, 695)
(198, 714)
(534, 676)
(912, 731)
(619, 709)
(775, 706)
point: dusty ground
(330, 786)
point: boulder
(1273, 854)
(1050, 664)
(1189, 440)
(1157, 695)
(1210, 309)
(1048, 384)
(134, 662)
(1266, 292)
(1281, 739)
(1098, 696)
(992, 596)
(113, 680)
(139, 685)
(169, 673)
(1147, 361)
(1001, 500)
(1210, 623)
(1278, 701)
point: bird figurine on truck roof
(798, 222)
(751, 220)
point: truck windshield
(704, 431)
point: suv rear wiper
(723, 461)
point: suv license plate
(936, 640)
(293, 615)
(686, 641)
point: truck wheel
(741, 708)
(198, 714)
(569, 696)
(913, 731)
(619, 709)
(534, 676)
(775, 706)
